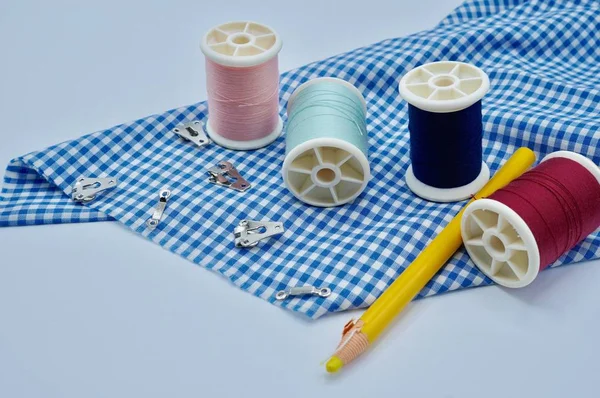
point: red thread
(243, 102)
(560, 202)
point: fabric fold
(544, 68)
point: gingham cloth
(543, 60)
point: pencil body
(412, 280)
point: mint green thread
(327, 110)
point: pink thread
(243, 102)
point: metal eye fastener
(153, 221)
(303, 290)
(226, 175)
(86, 189)
(192, 132)
(248, 233)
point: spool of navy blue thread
(446, 129)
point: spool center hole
(497, 245)
(443, 81)
(241, 39)
(326, 176)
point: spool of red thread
(526, 226)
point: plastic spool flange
(498, 240)
(444, 87)
(241, 44)
(326, 172)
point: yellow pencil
(358, 334)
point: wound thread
(446, 148)
(243, 102)
(560, 202)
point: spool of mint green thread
(326, 162)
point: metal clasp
(193, 132)
(248, 233)
(225, 175)
(163, 196)
(86, 189)
(303, 290)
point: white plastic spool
(445, 87)
(499, 241)
(241, 44)
(326, 172)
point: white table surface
(132, 320)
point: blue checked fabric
(544, 64)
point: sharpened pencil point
(334, 364)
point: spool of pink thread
(243, 85)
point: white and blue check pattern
(544, 64)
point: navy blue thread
(445, 148)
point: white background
(91, 310)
